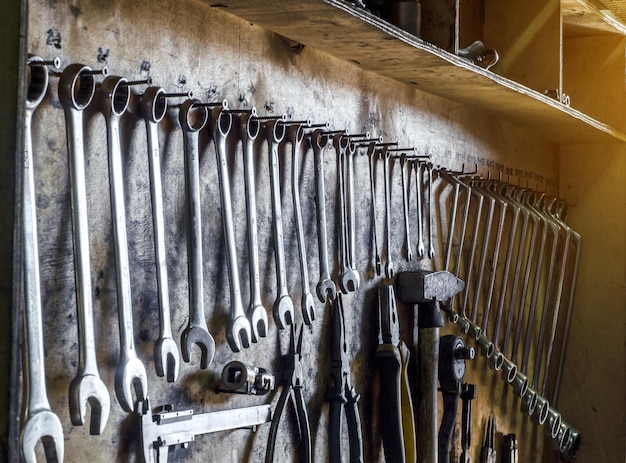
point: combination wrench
(76, 90)
(166, 357)
(39, 422)
(385, 155)
(348, 279)
(405, 204)
(431, 212)
(350, 209)
(295, 135)
(283, 305)
(325, 288)
(193, 117)
(249, 128)
(130, 372)
(417, 166)
(372, 156)
(238, 331)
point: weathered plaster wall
(191, 46)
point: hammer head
(423, 286)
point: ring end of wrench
(166, 359)
(42, 425)
(89, 389)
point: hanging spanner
(350, 210)
(417, 166)
(249, 128)
(166, 356)
(373, 155)
(349, 279)
(405, 204)
(193, 118)
(39, 422)
(283, 305)
(431, 212)
(238, 331)
(326, 286)
(76, 91)
(130, 372)
(295, 135)
(385, 156)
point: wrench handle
(277, 219)
(320, 206)
(194, 230)
(295, 188)
(253, 240)
(80, 227)
(158, 221)
(351, 222)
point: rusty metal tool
(348, 278)
(468, 393)
(283, 305)
(166, 356)
(39, 423)
(426, 290)
(293, 387)
(193, 118)
(295, 135)
(167, 427)
(452, 356)
(488, 450)
(397, 423)
(342, 395)
(76, 91)
(325, 288)
(238, 331)
(130, 372)
(249, 128)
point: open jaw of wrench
(295, 135)
(326, 286)
(283, 305)
(192, 119)
(40, 423)
(249, 128)
(166, 355)
(76, 90)
(130, 372)
(348, 278)
(238, 331)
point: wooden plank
(350, 33)
(589, 17)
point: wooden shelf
(344, 31)
(589, 17)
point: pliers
(293, 386)
(342, 394)
(396, 408)
(488, 451)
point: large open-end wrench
(405, 204)
(249, 128)
(295, 135)
(166, 356)
(76, 90)
(192, 118)
(348, 278)
(130, 372)
(385, 155)
(283, 305)
(39, 423)
(238, 331)
(326, 286)
(373, 155)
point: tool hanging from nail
(342, 395)
(397, 423)
(488, 450)
(293, 388)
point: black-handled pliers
(293, 386)
(342, 394)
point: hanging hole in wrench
(121, 97)
(83, 88)
(37, 84)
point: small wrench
(166, 356)
(130, 371)
(349, 281)
(238, 331)
(283, 305)
(39, 421)
(295, 135)
(385, 155)
(431, 212)
(326, 286)
(193, 118)
(405, 203)
(76, 90)
(417, 166)
(373, 155)
(249, 128)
